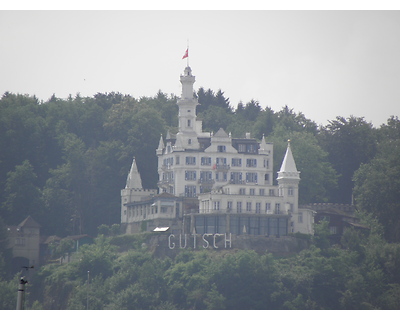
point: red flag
(186, 54)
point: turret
(288, 181)
(133, 180)
(187, 112)
(160, 148)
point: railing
(243, 211)
(206, 181)
(223, 167)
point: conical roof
(133, 181)
(288, 163)
(288, 168)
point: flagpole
(188, 52)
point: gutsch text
(206, 240)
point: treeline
(361, 273)
(64, 161)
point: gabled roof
(29, 223)
(221, 134)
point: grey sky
(322, 63)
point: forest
(64, 162)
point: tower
(133, 191)
(188, 125)
(288, 181)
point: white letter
(169, 241)
(204, 239)
(194, 241)
(230, 240)
(180, 241)
(216, 235)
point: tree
(292, 121)
(144, 136)
(22, 196)
(377, 188)
(264, 125)
(215, 118)
(349, 142)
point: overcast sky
(321, 63)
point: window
(242, 191)
(221, 161)
(271, 192)
(251, 148)
(177, 159)
(189, 141)
(290, 191)
(261, 192)
(266, 178)
(236, 162)
(251, 177)
(248, 206)
(205, 161)
(205, 175)
(333, 229)
(266, 163)
(277, 208)
(252, 191)
(221, 176)
(267, 207)
(236, 177)
(251, 163)
(216, 205)
(164, 209)
(242, 147)
(190, 191)
(221, 148)
(229, 206)
(191, 160)
(189, 123)
(238, 207)
(190, 175)
(258, 207)
(300, 217)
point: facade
(24, 242)
(214, 183)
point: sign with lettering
(207, 240)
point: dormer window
(221, 148)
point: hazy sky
(321, 63)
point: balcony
(206, 182)
(222, 167)
(165, 183)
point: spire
(264, 149)
(133, 181)
(288, 167)
(160, 146)
(178, 143)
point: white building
(213, 183)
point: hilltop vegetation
(360, 274)
(64, 162)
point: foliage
(349, 143)
(361, 274)
(377, 188)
